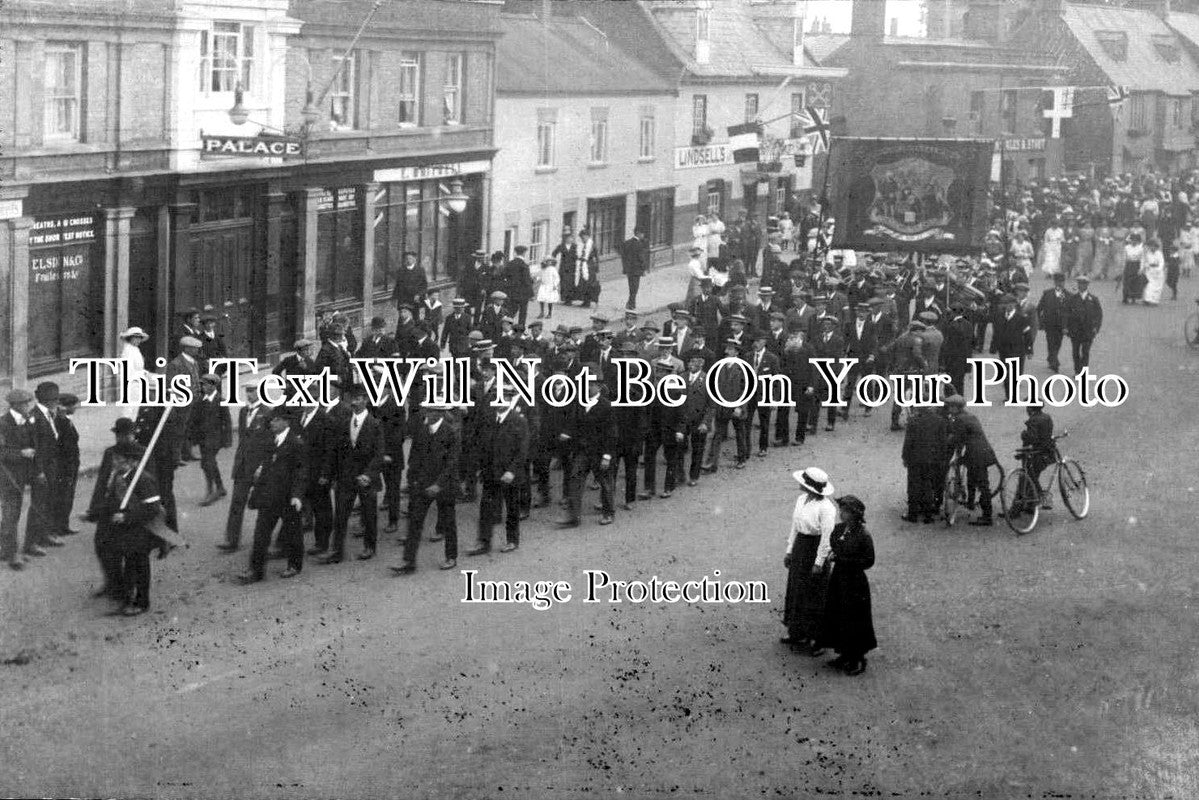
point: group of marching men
(314, 467)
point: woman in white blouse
(808, 549)
(135, 368)
(1154, 270)
(699, 235)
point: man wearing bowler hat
(21, 468)
(410, 282)
(1083, 322)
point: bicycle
(956, 493)
(1024, 497)
(1190, 329)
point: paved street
(1062, 661)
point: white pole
(141, 467)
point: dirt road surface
(1058, 663)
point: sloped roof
(738, 47)
(1186, 26)
(1143, 69)
(566, 55)
(822, 46)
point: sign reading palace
(258, 146)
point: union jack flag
(815, 128)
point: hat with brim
(210, 378)
(814, 480)
(665, 341)
(955, 400)
(18, 396)
(302, 343)
(123, 426)
(1082, 279)
(628, 347)
(190, 341)
(852, 504)
(134, 331)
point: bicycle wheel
(1190, 330)
(1022, 499)
(997, 492)
(1072, 482)
(954, 496)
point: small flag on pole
(745, 141)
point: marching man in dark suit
(502, 472)
(861, 342)
(174, 433)
(315, 426)
(1084, 319)
(278, 495)
(456, 331)
(764, 364)
(1052, 311)
(253, 437)
(125, 526)
(357, 459)
(213, 431)
(588, 443)
(43, 529)
(1009, 338)
(106, 545)
(432, 479)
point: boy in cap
(431, 312)
(212, 428)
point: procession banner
(922, 195)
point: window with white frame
(547, 130)
(648, 135)
(64, 92)
(751, 107)
(226, 57)
(703, 24)
(599, 136)
(537, 242)
(343, 94)
(409, 76)
(714, 201)
(452, 93)
(797, 110)
(1176, 111)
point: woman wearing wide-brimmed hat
(808, 549)
(848, 626)
(135, 367)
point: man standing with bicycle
(1037, 440)
(966, 435)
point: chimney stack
(869, 19)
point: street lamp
(457, 199)
(238, 114)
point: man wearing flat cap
(187, 365)
(455, 333)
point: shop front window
(414, 217)
(338, 246)
(66, 273)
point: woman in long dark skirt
(808, 550)
(848, 622)
(1134, 255)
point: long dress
(1022, 253)
(1133, 278)
(1103, 251)
(848, 624)
(1155, 277)
(1115, 263)
(715, 238)
(567, 254)
(135, 369)
(1051, 251)
(1085, 260)
(811, 526)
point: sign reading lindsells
(257, 146)
(708, 155)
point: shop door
(222, 254)
(605, 218)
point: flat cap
(302, 343)
(190, 341)
(17, 396)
